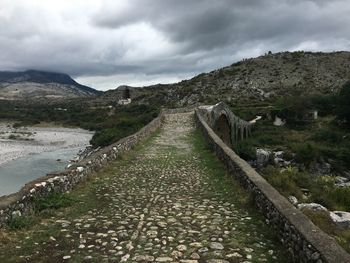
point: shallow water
(15, 174)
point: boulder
(262, 157)
(312, 206)
(343, 184)
(342, 181)
(278, 154)
(293, 200)
(16, 214)
(278, 121)
(278, 159)
(341, 219)
(320, 168)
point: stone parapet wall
(305, 241)
(22, 203)
(179, 110)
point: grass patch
(53, 201)
(21, 222)
(324, 222)
(322, 189)
(288, 181)
(224, 186)
(314, 141)
(219, 178)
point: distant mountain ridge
(264, 78)
(39, 84)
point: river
(35, 152)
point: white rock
(181, 248)
(278, 121)
(80, 169)
(164, 259)
(216, 245)
(278, 154)
(16, 213)
(340, 218)
(293, 200)
(312, 206)
(262, 157)
(144, 258)
(125, 258)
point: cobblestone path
(169, 201)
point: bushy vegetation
(343, 106)
(323, 221)
(306, 142)
(110, 123)
(21, 222)
(52, 201)
(321, 189)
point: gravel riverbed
(17, 143)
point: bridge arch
(222, 128)
(229, 127)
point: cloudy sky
(107, 43)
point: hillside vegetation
(308, 159)
(262, 79)
(110, 123)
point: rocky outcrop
(341, 219)
(258, 79)
(262, 157)
(312, 206)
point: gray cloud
(107, 43)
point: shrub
(293, 109)
(327, 136)
(324, 192)
(343, 108)
(52, 201)
(287, 181)
(245, 149)
(20, 222)
(268, 139)
(305, 152)
(325, 104)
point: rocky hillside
(34, 84)
(258, 79)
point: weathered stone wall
(21, 203)
(305, 241)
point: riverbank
(20, 142)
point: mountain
(257, 79)
(32, 84)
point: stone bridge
(167, 200)
(229, 127)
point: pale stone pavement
(160, 205)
